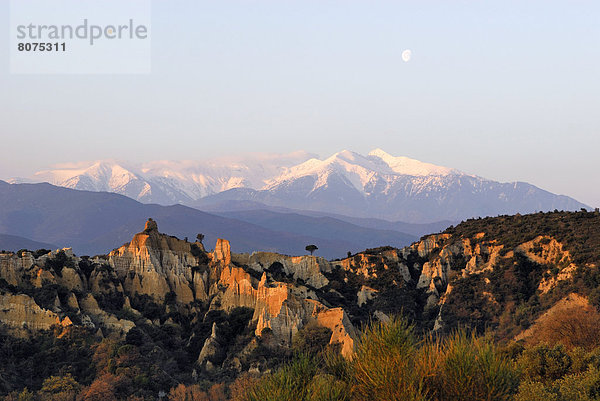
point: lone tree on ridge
(311, 248)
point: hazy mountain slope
(92, 222)
(323, 227)
(15, 243)
(418, 230)
(414, 229)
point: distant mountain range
(169, 182)
(377, 185)
(92, 222)
(263, 214)
(14, 243)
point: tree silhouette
(200, 237)
(311, 248)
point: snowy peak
(349, 166)
(360, 170)
(95, 176)
(406, 166)
(171, 182)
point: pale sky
(508, 90)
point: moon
(406, 55)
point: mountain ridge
(377, 185)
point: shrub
(57, 263)
(239, 387)
(574, 387)
(289, 383)
(535, 391)
(575, 326)
(383, 367)
(311, 339)
(390, 365)
(24, 395)
(466, 367)
(543, 363)
(581, 387)
(59, 388)
(325, 387)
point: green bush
(581, 387)
(544, 363)
(535, 391)
(574, 387)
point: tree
(200, 237)
(102, 389)
(311, 248)
(195, 393)
(311, 339)
(59, 388)
(24, 395)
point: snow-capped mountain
(170, 182)
(393, 188)
(358, 170)
(376, 185)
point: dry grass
(575, 326)
(465, 367)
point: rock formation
(22, 314)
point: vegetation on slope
(391, 364)
(579, 232)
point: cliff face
(155, 264)
(21, 314)
(37, 293)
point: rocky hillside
(224, 313)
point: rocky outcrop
(309, 269)
(210, 350)
(365, 295)
(13, 266)
(156, 264)
(22, 315)
(545, 250)
(162, 267)
(118, 327)
(367, 264)
(281, 307)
